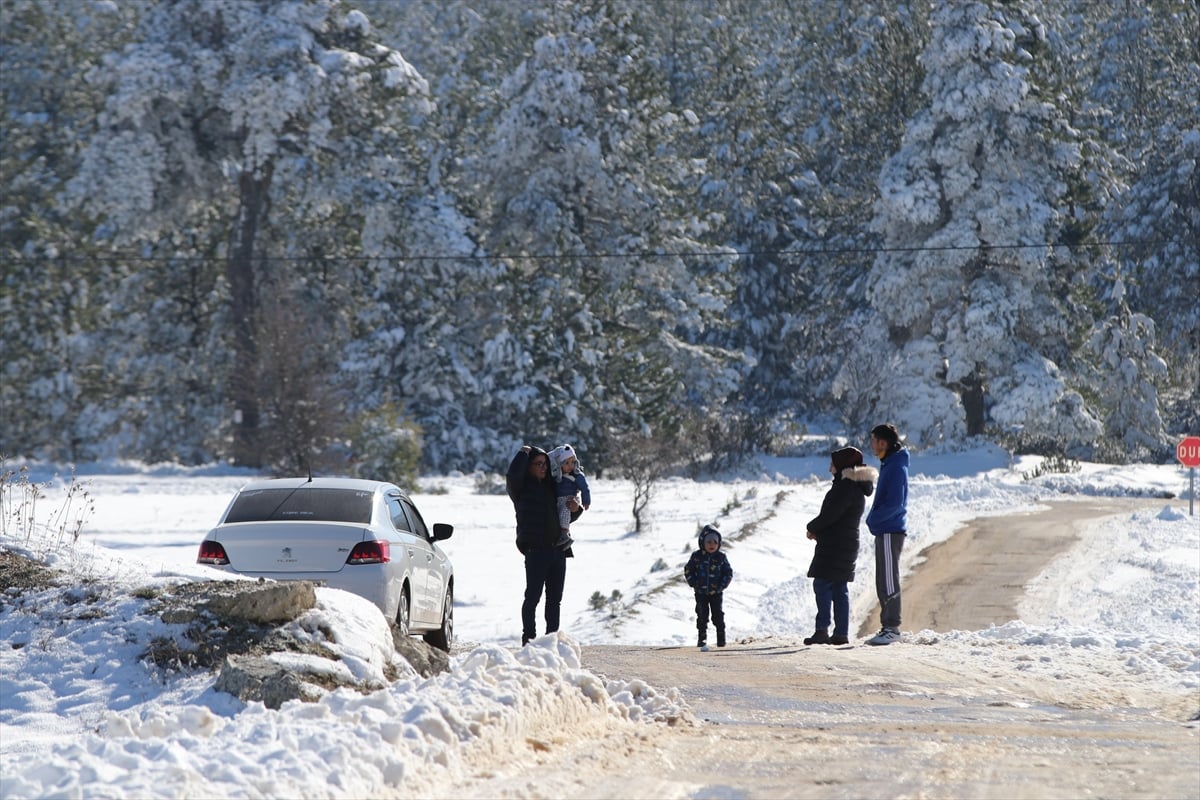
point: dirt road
(894, 722)
(924, 718)
(977, 577)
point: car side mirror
(442, 531)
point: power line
(793, 253)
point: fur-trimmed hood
(862, 476)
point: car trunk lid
(258, 547)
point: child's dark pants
(707, 604)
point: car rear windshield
(315, 505)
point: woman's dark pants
(544, 569)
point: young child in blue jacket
(708, 573)
(569, 481)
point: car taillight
(212, 553)
(374, 552)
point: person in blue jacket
(888, 523)
(708, 573)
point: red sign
(1188, 451)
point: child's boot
(564, 541)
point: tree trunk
(971, 393)
(253, 188)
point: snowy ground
(80, 716)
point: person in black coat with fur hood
(835, 531)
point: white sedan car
(365, 537)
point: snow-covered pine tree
(425, 331)
(849, 107)
(1159, 220)
(606, 309)
(741, 71)
(1141, 70)
(1126, 377)
(974, 297)
(52, 295)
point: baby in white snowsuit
(569, 481)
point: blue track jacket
(889, 512)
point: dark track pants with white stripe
(887, 577)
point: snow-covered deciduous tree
(970, 287)
(220, 110)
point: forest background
(382, 236)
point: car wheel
(403, 613)
(443, 637)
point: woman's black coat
(836, 527)
(536, 504)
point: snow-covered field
(80, 716)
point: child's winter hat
(558, 457)
(561, 453)
(846, 457)
(710, 532)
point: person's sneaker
(885, 636)
(703, 647)
(835, 639)
(818, 637)
(700, 641)
(564, 542)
